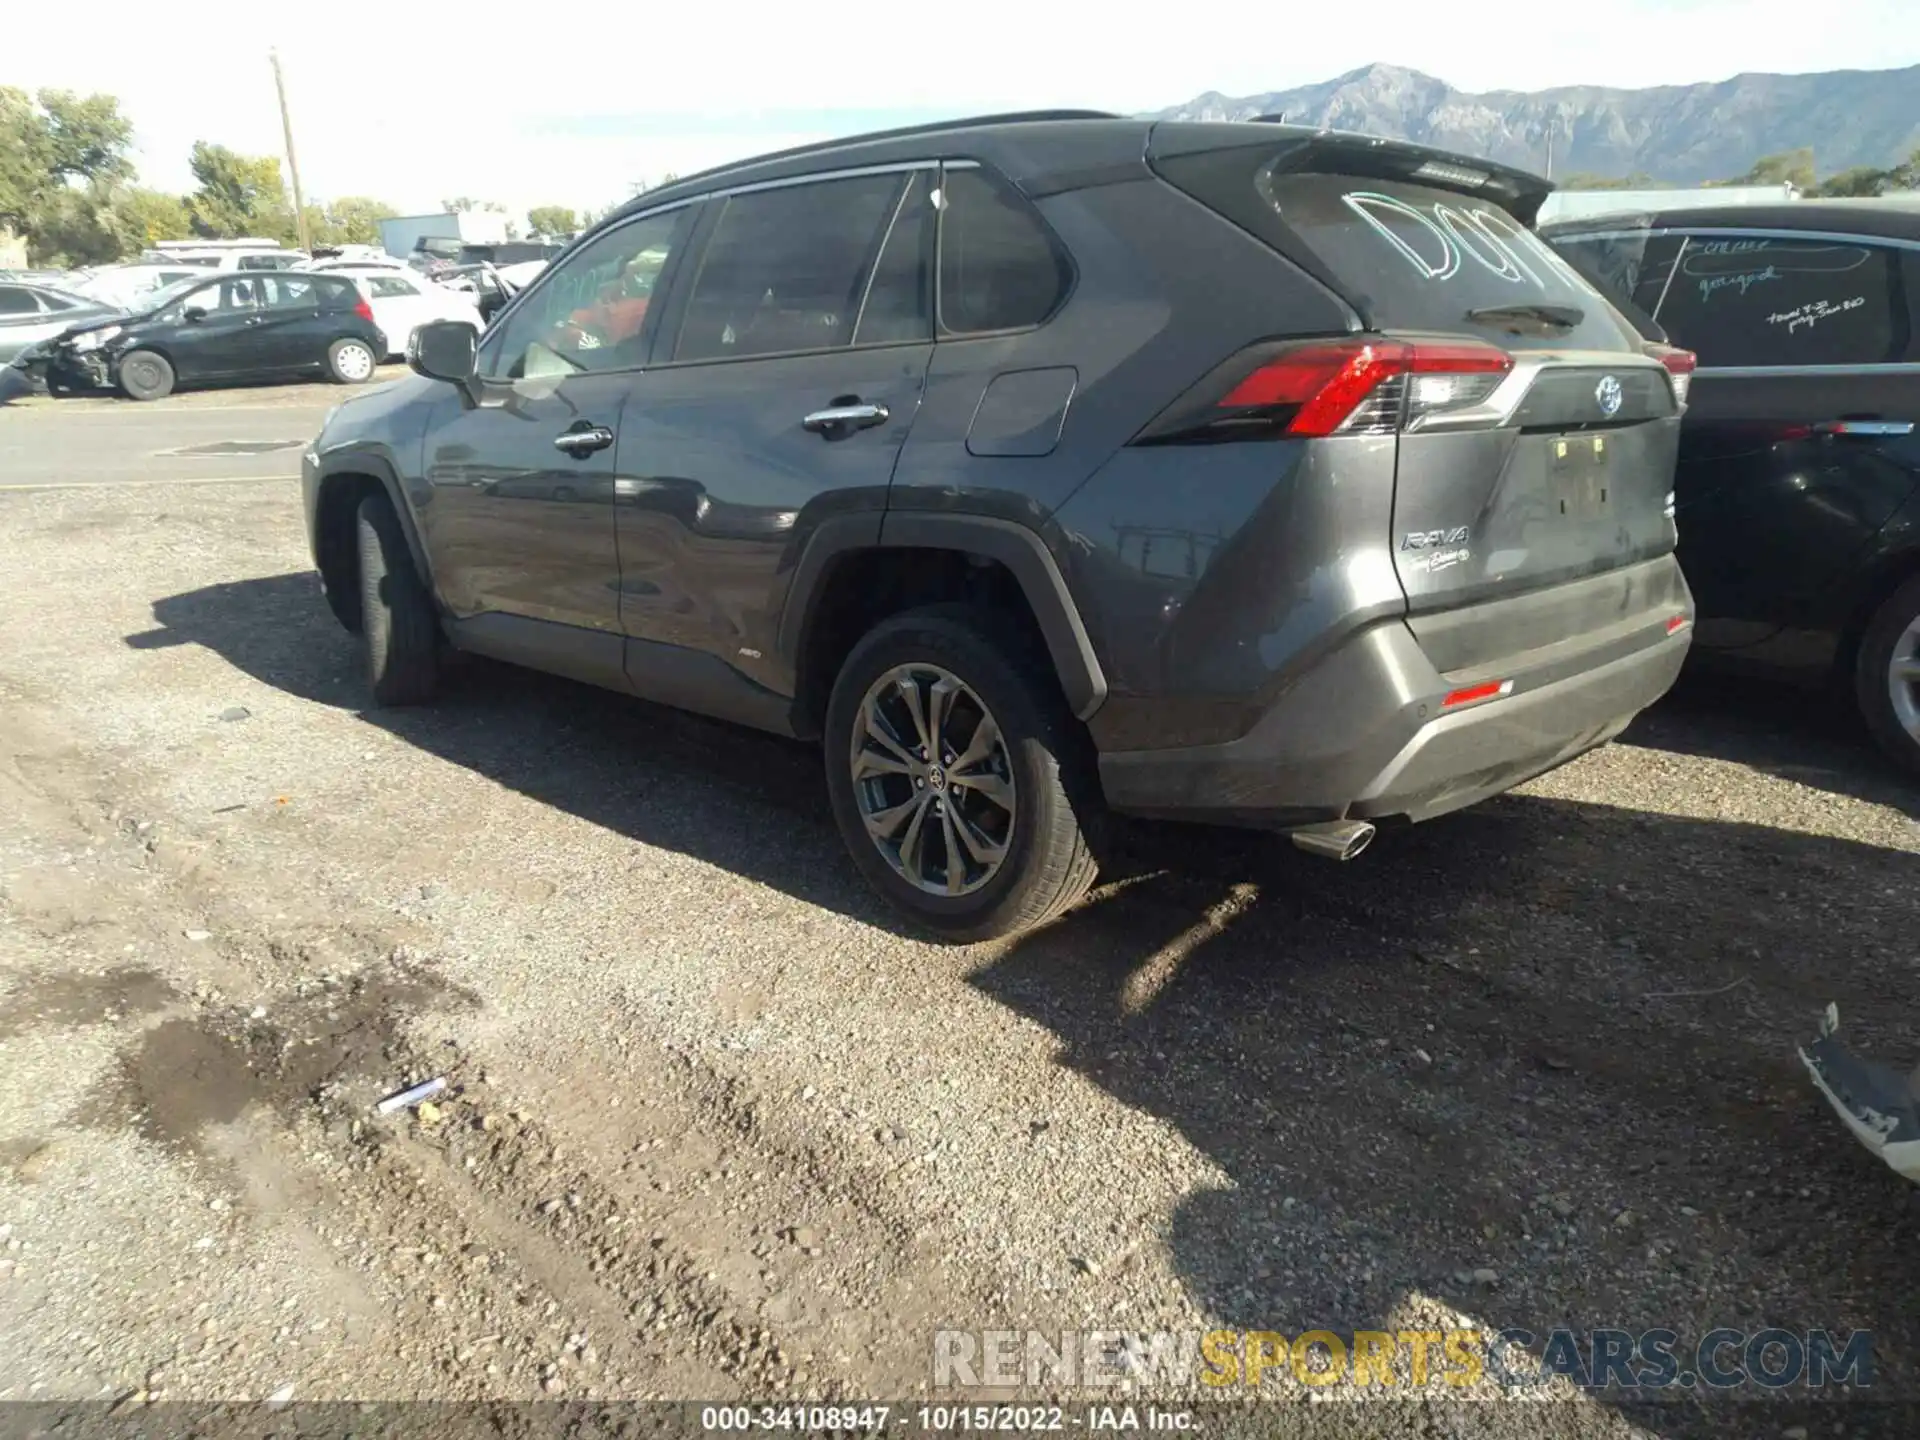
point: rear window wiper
(1529, 319)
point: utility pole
(293, 165)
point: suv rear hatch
(1535, 430)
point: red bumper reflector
(1476, 692)
(1677, 624)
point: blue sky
(570, 103)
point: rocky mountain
(1682, 134)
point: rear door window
(1414, 257)
(335, 294)
(786, 269)
(1757, 300)
(999, 267)
(899, 303)
(16, 301)
(287, 292)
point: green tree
(144, 217)
(1789, 167)
(51, 145)
(88, 137)
(1580, 180)
(552, 220)
(238, 195)
(1861, 180)
(355, 219)
(75, 226)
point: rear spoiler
(1304, 150)
(1223, 160)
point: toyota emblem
(1609, 396)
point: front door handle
(583, 438)
(845, 415)
(1864, 428)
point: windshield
(167, 294)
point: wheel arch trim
(371, 464)
(1020, 550)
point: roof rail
(969, 122)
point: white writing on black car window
(1813, 312)
(1716, 265)
(1743, 281)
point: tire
(351, 361)
(1048, 862)
(1886, 676)
(145, 375)
(398, 633)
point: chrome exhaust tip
(1335, 840)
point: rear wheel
(145, 375)
(957, 778)
(398, 633)
(351, 362)
(1887, 675)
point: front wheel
(1887, 675)
(145, 375)
(398, 633)
(351, 362)
(957, 777)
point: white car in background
(125, 286)
(403, 301)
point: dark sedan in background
(1798, 490)
(236, 326)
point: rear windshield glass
(1414, 257)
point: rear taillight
(1358, 386)
(1680, 366)
(364, 310)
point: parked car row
(1797, 493)
(216, 325)
(251, 325)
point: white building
(1582, 204)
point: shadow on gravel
(1466, 1053)
(1547, 1039)
(744, 800)
(1813, 737)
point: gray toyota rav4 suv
(1042, 465)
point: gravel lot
(717, 1128)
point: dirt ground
(717, 1128)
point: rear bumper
(1366, 734)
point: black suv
(1041, 464)
(1798, 490)
(251, 325)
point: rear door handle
(583, 439)
(1864, 428)
(844, 416)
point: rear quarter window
(1413, 257)
(336, 294)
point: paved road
(207, 435)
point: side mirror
(444, 350)
(194, 314)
